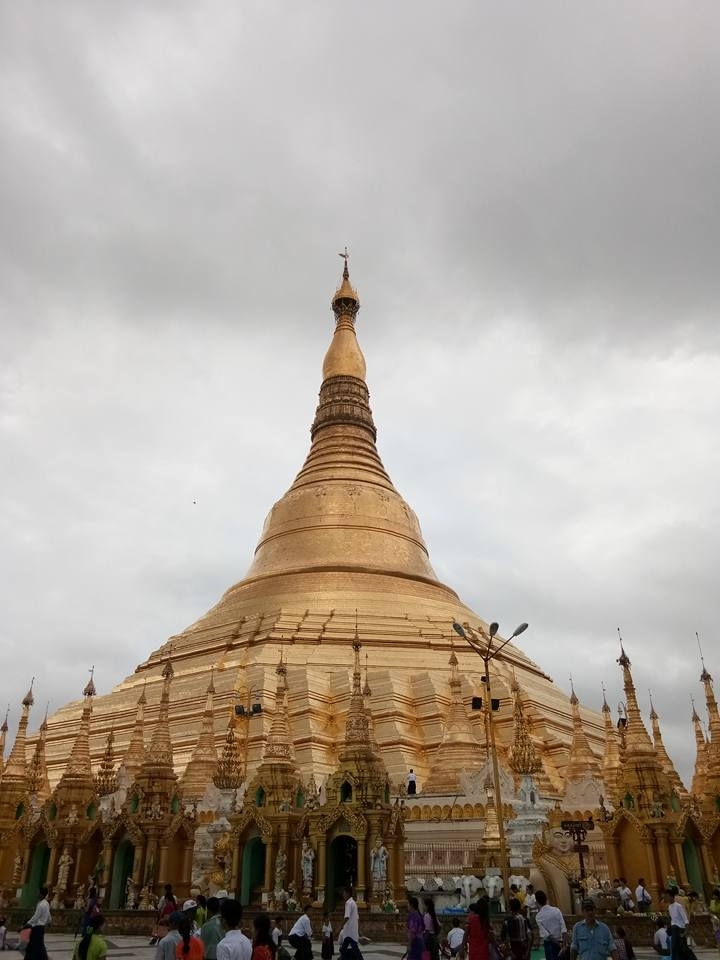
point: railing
(446, 858)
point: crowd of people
(209, 929)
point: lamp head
(518, 630)
(493, 629)
(457, 627)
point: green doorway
(123, 862)
(341, 869)
(692, 865)
(37, 874)
(253, 869)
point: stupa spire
(3, 738)
(38, 780)
(279, 747)
(78, 765)
(357, 728)
(637, 739)
(668, 767)
(712, 784)
(106, 780)
(582, 762)
(611, 756)
(342, 512)
(701, 756)
(367, 702)
(160, 753)
(135, 753)
(203, 761)
(16, 768)
(524, 758)
(459, 750)
(641, 781)
(228, 774)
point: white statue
(64, 864)
(494, 887)
(280, 869)
(378, 864)
(80, 897)
(307, 858)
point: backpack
(516, 928)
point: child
(455, 937)
(661, 940)
(3, 934)
(328, 947)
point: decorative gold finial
(89, 690)
(623, 659)
(346, 302)
(28, 699)
(704, 675)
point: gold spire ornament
(611, 754)
(16, 770)
(203, 761)
(38, 780)
(135, 754)
(668, 767)
(106, 779)
(582, 762)
(700, 772)
(524, 758)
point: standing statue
(378, 865)
(80, 897)
(130, 893)
(307, 858)
(17, 870)
(280, 870)
(64, 864)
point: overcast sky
(531, 198)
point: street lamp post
(481, 642)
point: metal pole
(496, 781)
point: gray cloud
(531, 198)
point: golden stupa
(341, 552)
(247, 753)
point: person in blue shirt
(592, 939)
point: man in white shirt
(38, 921)
(234, 945)
(678, 926)
(300, 936)
(411, 783)
(551, 926)
(625, 894)
(642, 897)
(350, 933)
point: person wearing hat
(591, 938)
(165, 949)
(189, 908)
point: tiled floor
(60, 947)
